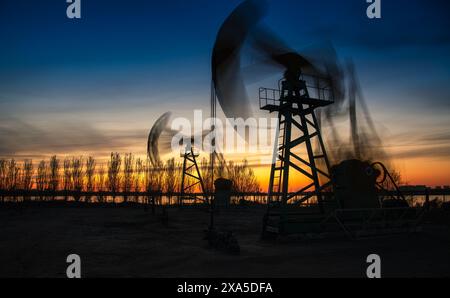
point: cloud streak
(64, 138)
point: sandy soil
(129, 242)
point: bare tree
(101, 181)
(396, 178)
(12, 177)
(27, 176)
(54, 174)
(77, 175)
(243, 177)
(154, 177)
(67, 176)
(250, 183)
(42, 176)
(221, 169)
(148, 181)
(170, 178)
(138, 177)
(114, 172)
(3, 175)
(235, 175)
(90, 173)
(127, 174)
(206, 175)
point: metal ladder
(279, 163)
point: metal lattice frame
(298, 130)
(191, 178)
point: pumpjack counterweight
(298, 131)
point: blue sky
(99, 83)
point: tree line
(120, 174)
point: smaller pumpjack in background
(191, 178)
(345, 198)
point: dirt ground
(129, 242)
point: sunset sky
(96, 85)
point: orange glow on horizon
(428, 171)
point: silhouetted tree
(2, 176)
(243, 177)
(127, 174)
(101, 181)
(67, 174)
(170, 181)
(77, 175)
(138, 176)
(396, 178)
(27, 176)
(221, 169)
(154, 177)
(205, 169)
(250, 183)
(42, 176)
(90, 175)
(12, 175)
(114, 172)
(54, 173)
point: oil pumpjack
(191, 177)
(298, 129)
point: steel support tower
(294, 153)
(191, 177)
